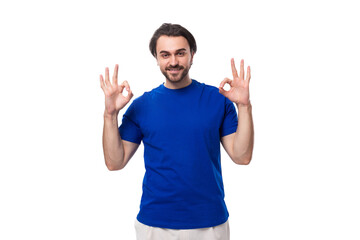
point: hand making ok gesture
(114, 98)
(239, 86)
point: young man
(181, 124)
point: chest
(177, 118)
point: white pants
(144, 232)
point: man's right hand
(114, 98)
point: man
(181, 124)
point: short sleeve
(129, 129)
(230, 121)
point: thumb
(130, 95)
(223, 91)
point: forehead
(171, 44)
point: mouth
(174, 70)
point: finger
(102, 84)
(115, 76)
(121, 87)
(107, 81)
(242, 69)
(233, 68)
(127, 86)
(130, 95)
(225, 81)
(248, 75)
(222, 84)
(223, 91)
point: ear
(192, 58)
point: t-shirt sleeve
(129, 129)
(230, 122)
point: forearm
(112, 144)
(244, 137)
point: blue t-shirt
(181, 131)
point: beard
(174, 78)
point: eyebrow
(179, 50)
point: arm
(239, 145)
(117, 152)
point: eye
(165, 55)
(181, 53)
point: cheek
(160, 64)
(185, 62)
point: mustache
(178, 67)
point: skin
(174, 59)
(117, 152)
(240, 144)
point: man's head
(173, 46)
(172, 30)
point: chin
(177, 78)
(174, 80)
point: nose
(173, 60)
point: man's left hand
(239, 86)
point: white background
(303, 181)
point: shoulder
(142, 100)
(211, 90)
(215, 98)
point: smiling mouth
(175, 69)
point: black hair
(172, 30)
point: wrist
(241, 105)
(110, 116)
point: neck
(186, 81)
